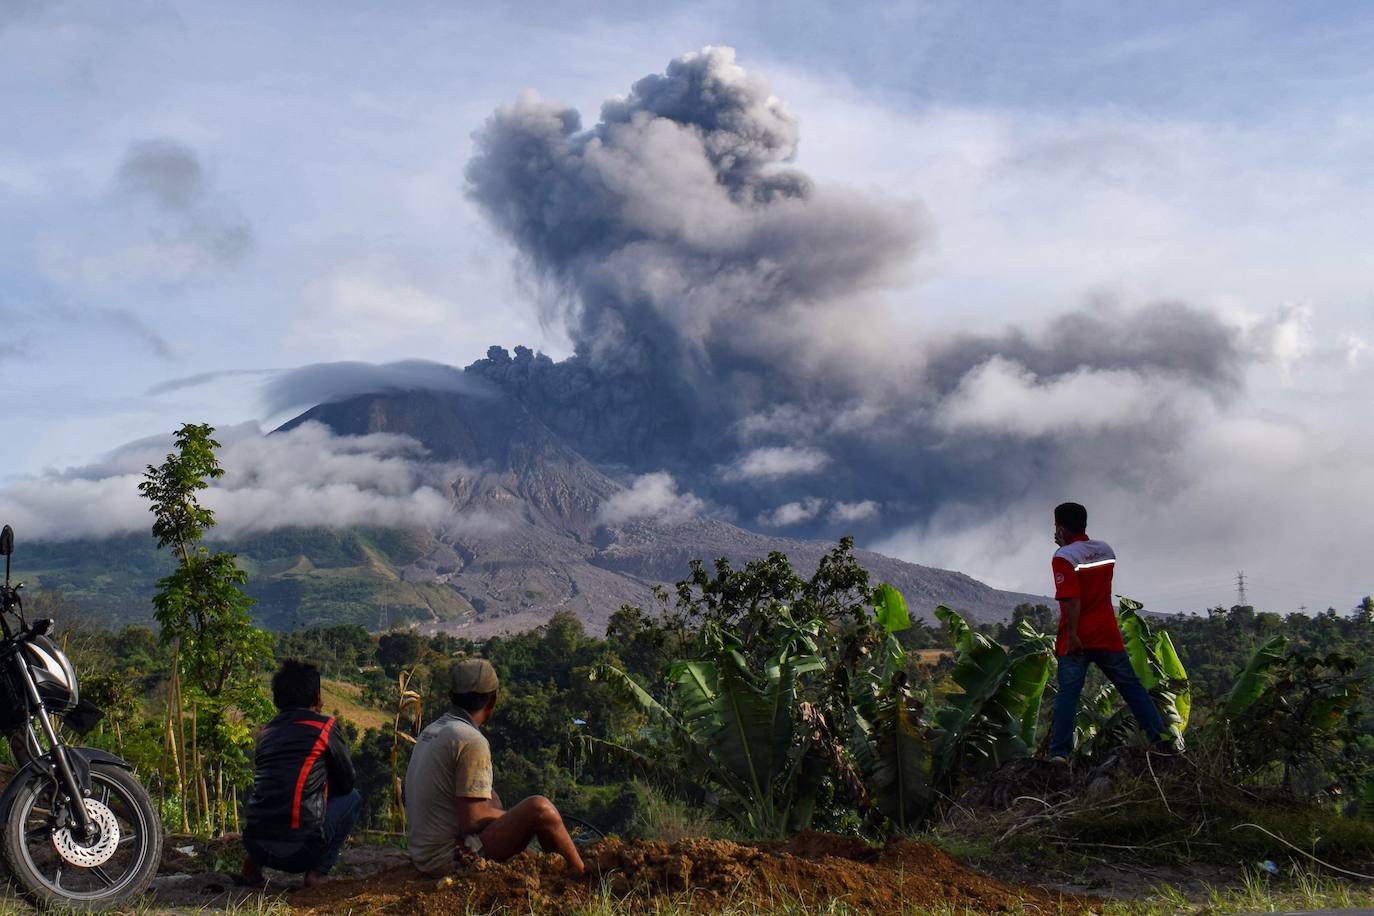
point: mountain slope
(525, 538)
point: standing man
(303, 804)
(1088, 632)
(451, 810)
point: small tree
(204, 616)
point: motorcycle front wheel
(54, 866)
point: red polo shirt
(1083, 570)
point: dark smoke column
(727, 320)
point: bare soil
(701, 874)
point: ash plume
(724, 311)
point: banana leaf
(743, 742)
(891, 609)
(896, 759)
(696, 689)
(1157, 665)
(695, 751)
(1032, 674)
(629, 689)
(1135, 632)
(985, 723)
(1175, 677)
(1249, 686)
(959, 631)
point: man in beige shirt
(450, 804)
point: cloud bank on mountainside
(304, 477)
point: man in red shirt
(1088, 632)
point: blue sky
(312, 208)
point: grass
(660, 816)
(1160, 823)
(252, 906)
(344, 699)
(1256, 892)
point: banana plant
(888, 739)
(993, 717)
(1157, 665)
(894, 754)
(739, 733)
(1103, 723)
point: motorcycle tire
(51, 867)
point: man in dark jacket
(303, 803)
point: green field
(299, 577)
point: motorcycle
(76, 828)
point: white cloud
(305, 477)
(846, 513)
(1355, 347)
(1285, 501)
(773, 462)
(651, 496)
(366, 305)
(793, 513)
(1003, 396)
(1285, 340)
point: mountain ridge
(526, 536)
(549, 547)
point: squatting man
(1089, 633)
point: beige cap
(472, 675)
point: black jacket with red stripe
(301, 760)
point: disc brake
(89, 855)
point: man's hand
(1075, 644)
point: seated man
(450, 806)
(303, 803)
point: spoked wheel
(54, 865)
(582, 833)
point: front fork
(60, 766)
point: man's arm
(1070, 601)
(475, 799)
(474, 814)
(339, 764)
(1072, 607)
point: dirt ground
(809, 870)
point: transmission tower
(1241, 598)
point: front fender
(80, 759)
(96, 755)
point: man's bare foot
(312, 878)
(251, 874)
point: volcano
(529, 535)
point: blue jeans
(1117, 667)
(297, 854)
(340, 816)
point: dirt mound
(702, 874)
